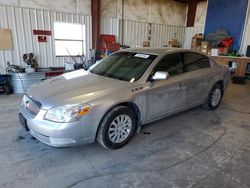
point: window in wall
(69, 39)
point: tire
(214, 97)
(118, 121)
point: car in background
(115, 97)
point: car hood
(74, 87)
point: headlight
(67, 113)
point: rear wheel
(117, 128)
(214, 97)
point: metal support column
(95, 12)
(192, 6)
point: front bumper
(60, 134)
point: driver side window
(170, 63)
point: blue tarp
(229, 15)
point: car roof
(155, 51)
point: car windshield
(127, 66)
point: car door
(197, 69)
(166, 96)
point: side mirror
(160, 75)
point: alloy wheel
(120, 128)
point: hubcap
(216, 97)
(120, 128)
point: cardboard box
(223, 51)
(204, 51)
(209, 51)
(204, 45)
(214, 52)
(196, 48)
(196, 40)
(146, 44)
(198, 36)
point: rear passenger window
(193, 61)
(171, 64)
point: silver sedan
(115, 97)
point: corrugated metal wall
(22, 21)
(136, 32)
(110, 26)
(161, 34)
(189, 33)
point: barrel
(20, 82)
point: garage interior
(195, 148)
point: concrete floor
(197, 148)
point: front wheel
(117, 127)
(214, 97)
